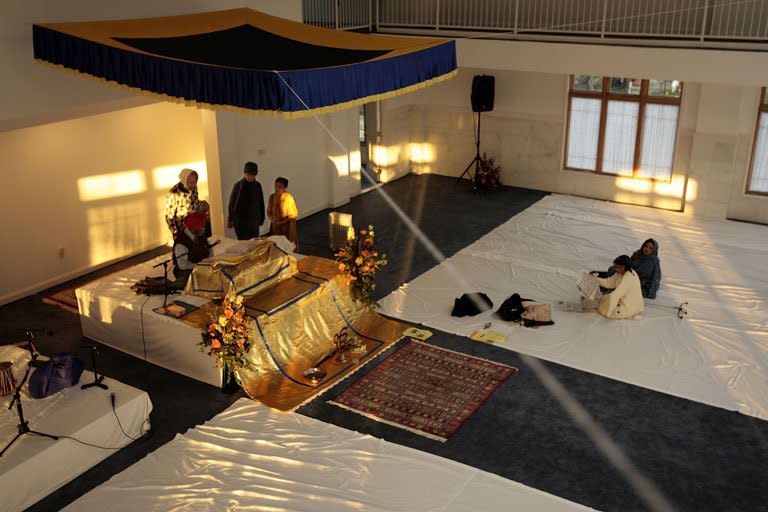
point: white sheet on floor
(251, 457)
(33, 466)
(717, 355)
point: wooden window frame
(605, 95)
(762, 109)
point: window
(758, 173)
(624, 126)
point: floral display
(488, 174)
(358, 261)
(228, 338)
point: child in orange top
(282, 212)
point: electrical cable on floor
(114, 411)
(93, 445)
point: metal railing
(339, 14)
(669, 21)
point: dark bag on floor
(471, 304)
(60, 371)
(512, 309)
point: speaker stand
(476, 160)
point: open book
(588, 285)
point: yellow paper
(419, 334)
(488, 336)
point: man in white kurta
(626, 299)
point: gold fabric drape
(246, 274)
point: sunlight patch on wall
(345, 166)
(120, 229)
(385, 156)
(421, 156)
(655, 193)
(421, 153)
(166, 176)
(116, 184)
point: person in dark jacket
(246, 204)
(646, 263)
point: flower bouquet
(358, 261)
(227, 338)
(488, 174)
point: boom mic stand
(96, 377)
(476, 160)
(23, 424)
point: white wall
(526, 129)
(300, 150)
(94, 187)
(60, 132)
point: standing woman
(626, 299)
(646, 262)
(181, 200)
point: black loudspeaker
(483, 88)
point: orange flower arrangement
(358, 261)
(228, 335)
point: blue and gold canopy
(245, 59)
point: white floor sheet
(717, 355)
(252, 458)
(33, 466)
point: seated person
(190, 246)
(645, 261)
(626, 299)
(282, 212)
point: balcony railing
(729, 23)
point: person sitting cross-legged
(626, 298)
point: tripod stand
(476, 160)
(23, 424)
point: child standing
(282, 212)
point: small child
(282, 212)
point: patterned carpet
(425, 389)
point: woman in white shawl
(181, 200)
(626, 299)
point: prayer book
(588, 285)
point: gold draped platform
(247, 274)
(295, 322)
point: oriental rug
(425, 389)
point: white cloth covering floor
(251, 458)
(33, 466)
(717, 355)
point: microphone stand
(166, 284)
(23, 424)
(96, 377)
